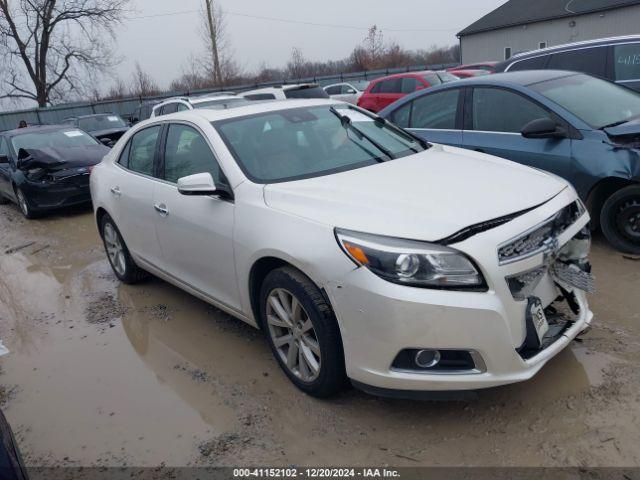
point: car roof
(521, 78)
(37, 129)
(252, 108)
(573, 46)
(405, 74)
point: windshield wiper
(347, 123)
(423, 143)
(620, 122)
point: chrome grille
(542, 237)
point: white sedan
(349, 92)
(363, 253)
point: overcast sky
(161, 44)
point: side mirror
(4, 159)
(198, 184)
(543, 128)
(351, 91)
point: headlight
(409, 262)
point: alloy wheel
(293, 335)
(115, 251)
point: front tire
(118, 254)
(302, 332)
(23, 203)
(620, 220)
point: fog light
(427, 358)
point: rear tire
(302, 332)
(620, 220)
(118, 254)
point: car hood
(428, 196)
(56, 158)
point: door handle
(161, 209)
(116, 191)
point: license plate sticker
(539, 319)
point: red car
(382, 92)
(468, 73)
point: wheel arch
(261, 267)
(601, 191)
(100, 214)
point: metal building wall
(487, 46)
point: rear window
(260, 96)
(306, 92)
(627, 61)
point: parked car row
(364, 252)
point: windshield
(597, 102)
(53, 139)
(310, 142)
(221, 103)
(101, 122)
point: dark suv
(616, 59)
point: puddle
(107, 374)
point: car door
(435, 117)
(195, 232)
(494, 120)
(131, 192)
(5, 168)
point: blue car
(582, 128)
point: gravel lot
(102, 374)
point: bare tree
(298, 65)
(48, 46)
(142, 83)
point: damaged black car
(45, 168)
(107, 128)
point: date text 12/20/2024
(319, 473)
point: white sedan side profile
(363, 253)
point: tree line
(54, 51)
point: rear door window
(335, 90)
(436, 111)
(391, 86)
(143, 149)
(587, 60)
(169, 108)
(409, 85)
(627, 61)
(514, 111)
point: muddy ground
(104, 374)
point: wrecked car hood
(110, 132)
(427, 196)
(55, 158)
